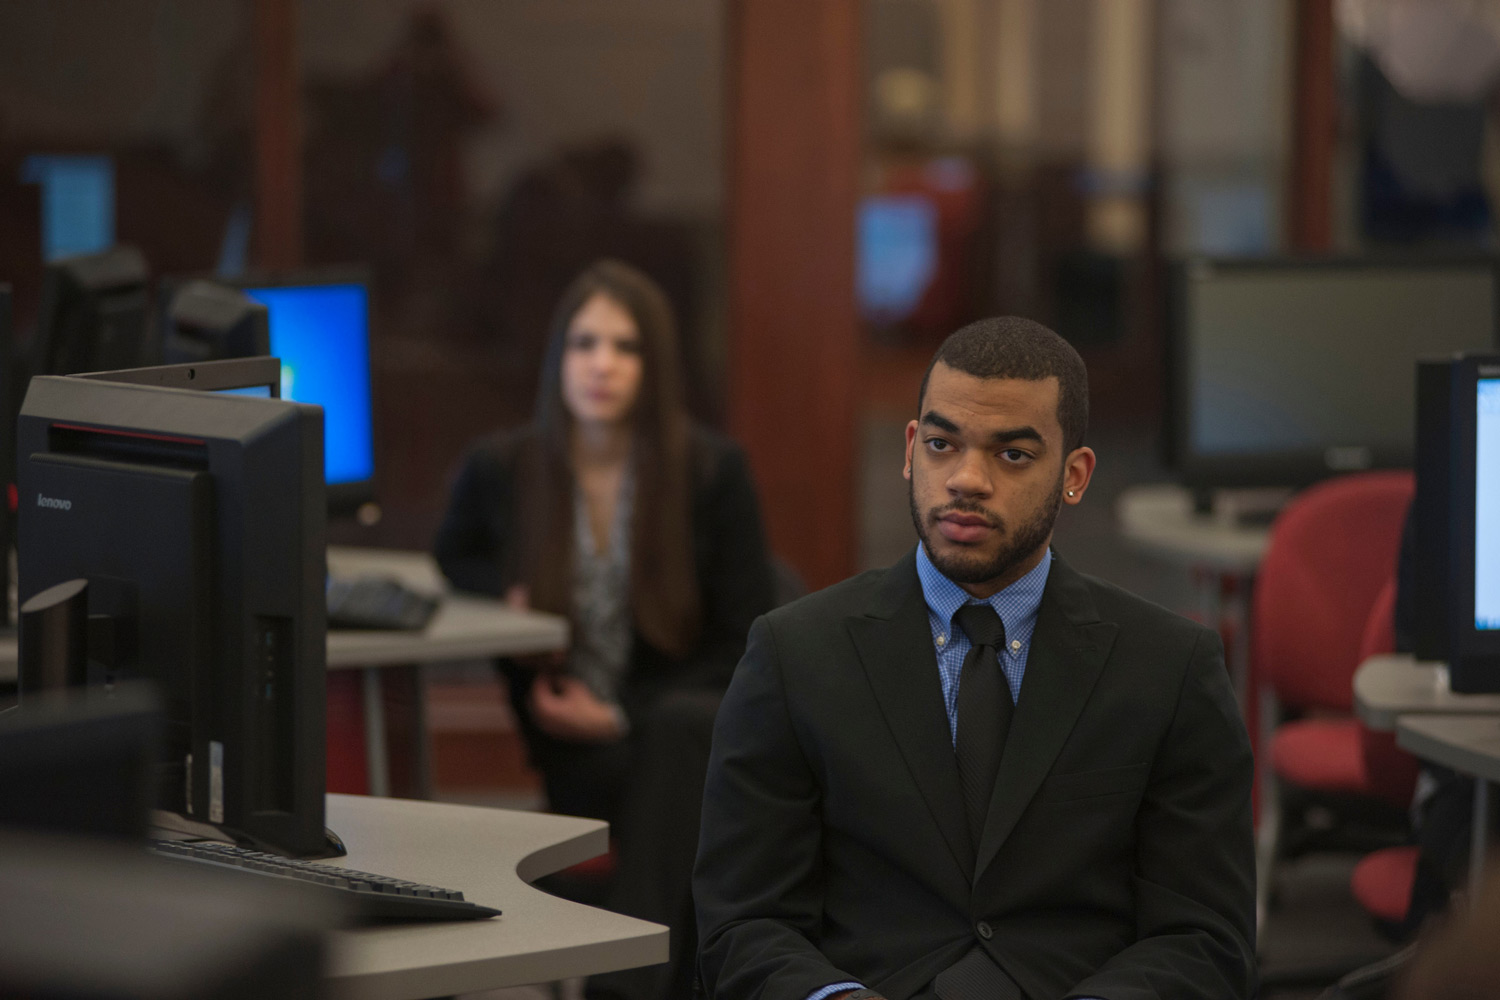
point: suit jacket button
(985, 931)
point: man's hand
(565, 708)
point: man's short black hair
(1015, 347)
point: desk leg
(376, 764)
(1478, 837)
(1234, 629)
(1228, 595)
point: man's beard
(1016, 545)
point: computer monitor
(1288, 371)
(207, 321)
(1458, 519)
(320, 330)
(93, 314)
(197, 519)
(78, 202)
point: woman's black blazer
(475, 547)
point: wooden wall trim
(277, 227)
(1314, 128)
(794, 164)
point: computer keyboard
(377, 602)
(370, 898)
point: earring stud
(1072, 494)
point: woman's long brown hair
(664, 599)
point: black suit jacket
(477, 549)
(1117, 859)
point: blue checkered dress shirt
(1016, 605)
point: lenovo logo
(53, 502)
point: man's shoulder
(1131, 611)
(856, 595)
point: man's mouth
(965, 528)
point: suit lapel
(1068, 651)
(894, 642)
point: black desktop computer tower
(197, 519)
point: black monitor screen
(1292, 370)
(93, 314)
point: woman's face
(601, 367)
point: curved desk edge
(1158, 519)
(1392, 685)
(1467, 743)
(489, 854)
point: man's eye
(938, 444)
(1014, 455)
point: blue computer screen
(78, 202)
(897, 254)
(321, 335)
(1487, 506)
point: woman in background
(611, 507)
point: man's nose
(970, 476)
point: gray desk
(1469, 744)
(1392, 685)
(1159, 519)
(464, 628)
(1222, 555)
(489, 854)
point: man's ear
(911, 438)
(1078, 469)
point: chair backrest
(1331, 550)
(1390, 772)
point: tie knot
(981, 625)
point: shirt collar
(1021, 599)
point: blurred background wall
(824, 189)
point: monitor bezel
(1292, 467)
(205, 376)
(1467, 641)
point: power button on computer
(985, 931)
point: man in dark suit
(980, 774)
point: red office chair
(1382, 881)
(1331, 550)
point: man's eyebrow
(942, 423)
(1010, 434)
(1025, 433)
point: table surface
(1395, 684)
(489, 854)
(1467, 743)
(1159, 518)
(465, 626)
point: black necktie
(984, 711)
